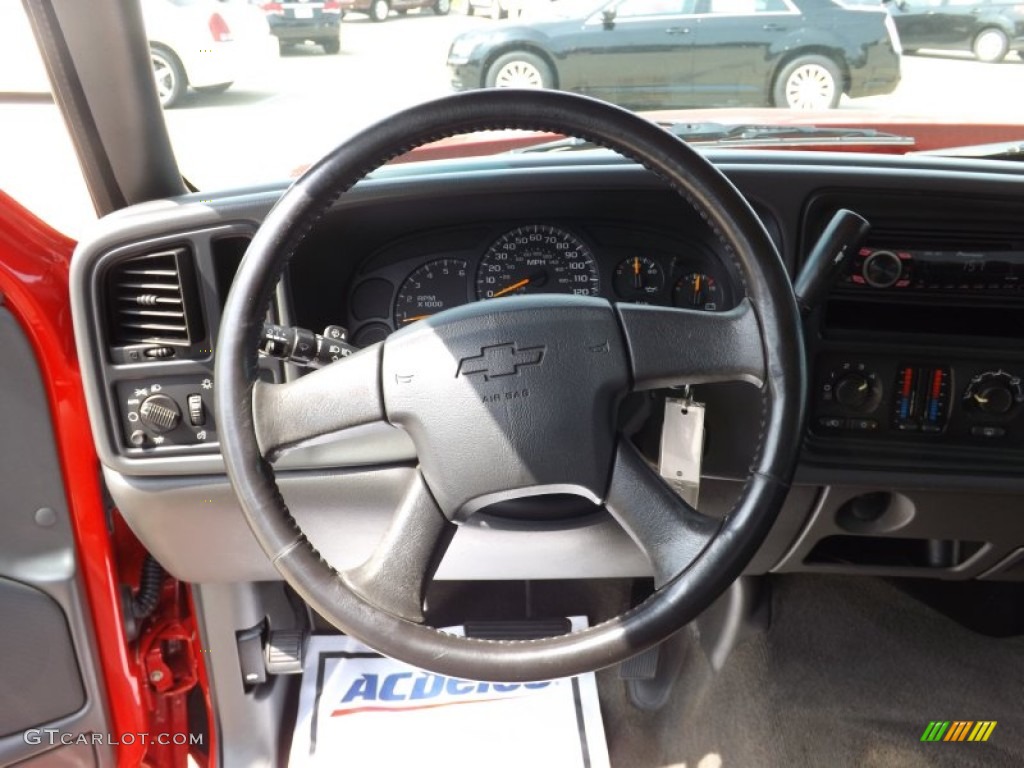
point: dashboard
(912, 459)
(614, 259)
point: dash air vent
(154, 299)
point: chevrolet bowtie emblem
(500, 360)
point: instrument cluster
(413, 279)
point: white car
(204, 44)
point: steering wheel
(450, 381)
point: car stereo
(946, 271)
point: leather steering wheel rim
(771, 312)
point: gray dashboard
(895, 498)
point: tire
(808, 82)
(169, 75)
(991, 45)
(379, 10)
(218, 88)
(442, 7)
(519, 69)
(331, 45)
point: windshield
(255, 91)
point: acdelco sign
(416, 690)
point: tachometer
(432, 288)
(537, 258)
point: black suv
(691, 53)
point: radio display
(931, 270)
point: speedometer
(537, 258)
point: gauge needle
(696, 288)
(414, 319)
(509, 288)
(637, 282)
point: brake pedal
(643, 666)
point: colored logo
(404, 691)
(958, 730)
(500, 360)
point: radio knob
(853, 390)
(160, 413)
(882, 269)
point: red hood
(929, 133)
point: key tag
(682, 446)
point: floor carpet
(849, 673)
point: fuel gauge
(698, 290)
(638, 279)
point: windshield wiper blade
(1000, 150)
(751, 135)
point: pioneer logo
(500, 360)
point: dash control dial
(853, 391)
(995, 393)
(853, 387)
(160, 413)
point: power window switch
(196, 411)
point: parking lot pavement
(313, 101)
(954, 86)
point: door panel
(640, 58)
(733, 48)
(48, 674)
(930, 23)
(41, 679)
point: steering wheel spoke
(396, 575)
(342, 395)
(685, 346)
(670, 532)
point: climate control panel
(921, 398)
(907, 399)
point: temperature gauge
(638, 279)
(698, 290)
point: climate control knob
(994, 392)
(160, 413)
(994, 399)
(853, 390)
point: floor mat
(850, 673)
(359, 708)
